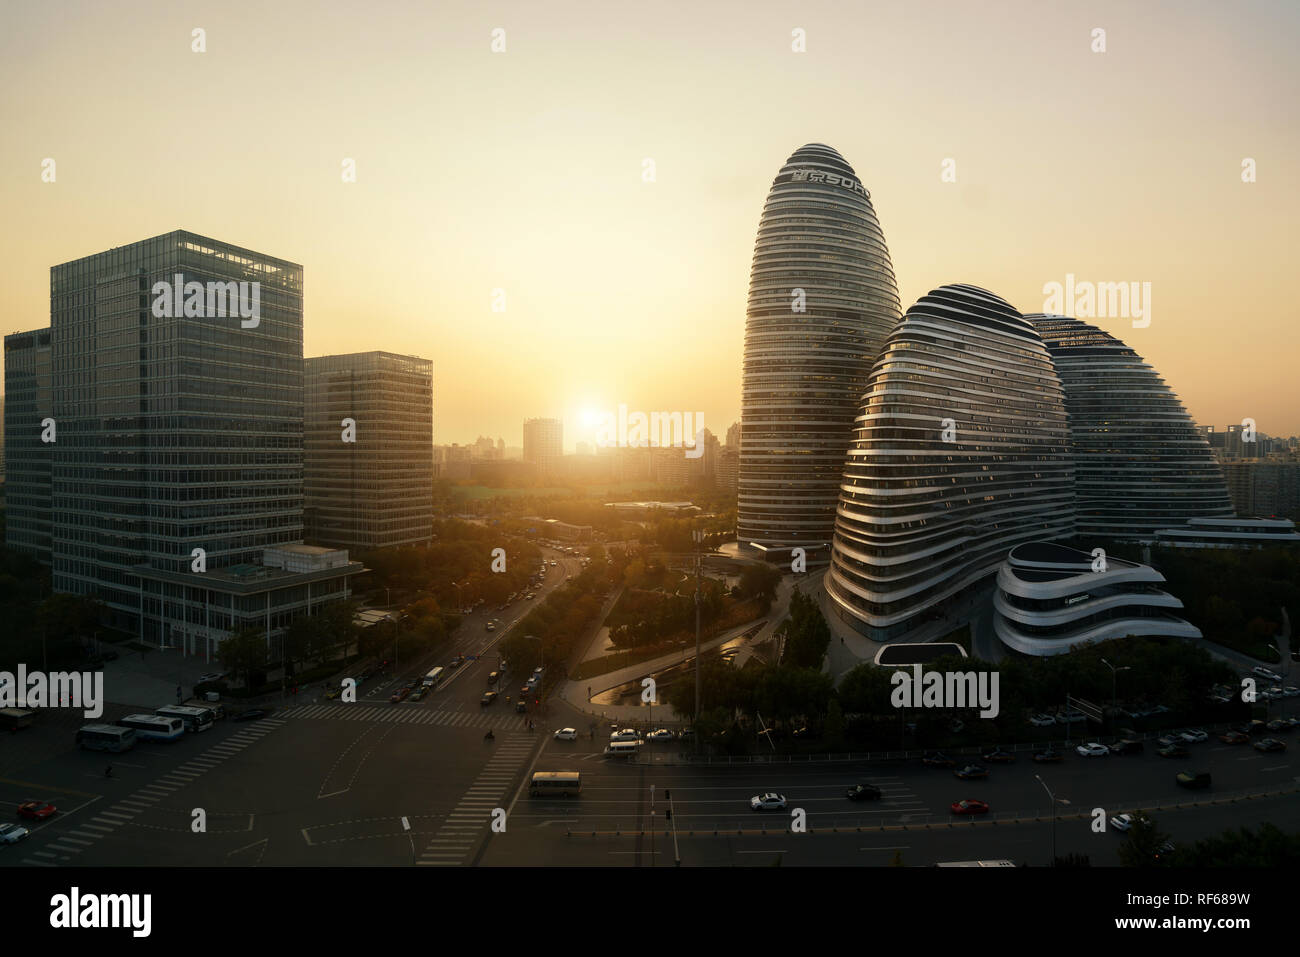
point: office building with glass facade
(179, 428)
(960, 453)
(28, 459)
(375, 491)
(822, 299)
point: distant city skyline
(531, 178)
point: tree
(1142, 843)
(244, 652)
(834, 724)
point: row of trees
(566, 615)
(40, 626)
(806, 634)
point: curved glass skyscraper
(822, 299)
(960, 453)
(1140, 464)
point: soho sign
(830, 179)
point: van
(623, 749)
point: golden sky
(522, 171)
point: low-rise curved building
(960, 453)
(1050, 599)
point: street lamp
(1285, 671)
(1114, 672)
(1052, 798)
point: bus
(105, 737)
(196, 719)
(976, 864)
(623, 749)
(432, 678)
(14, 719)
(562, 783)
(154, 726)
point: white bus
(623, 749)
(432, 678)
(154, 726)
(560, 783)
(105, 737)
(196, 719)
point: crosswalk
(406, 715)
(464, 826)
(62, 849)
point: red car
(970, 806)
(36, 810)
(400, 695)
(1234, 737)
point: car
(1070, 717)
(1042, 720)
(529, 596)
(1194, 736)
(1249, 727)
(456, 662)
(970, 806)
(1269, 744)
(526, 690)
(1165, 849)
(12, 833)
(627, 734)
(1169, 740)
(1263, 672)
(251, 715)
(566, 734)
(998, 756)
(210, 676)
(399, 695)
(1121, 822)
(419, 693)
(1282, 724)
(490, 626)
(1048, 757)
(971, 771)
(686, 734)
(1234, 737)
(521, 706)
(1193, 779)
(488, 698)
(37, 810)
(863, 792)
(1290, 691)
(936, 759)
(333, 693)
(1126, 746)
(661, 734)
(1093, 750)
(1172, 751)
(493, 677)
(767, 802)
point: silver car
(12, 833)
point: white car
(566, 734)
(1291, 691)
(1093, 750)
(627, 734)
(1042, 721)
(210, 676)
(1121, 822)
(767, 802)
(662, 734)
(12, 833)
(1265, 673)
(1194, 736)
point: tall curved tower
(822, 299)
(961, 452)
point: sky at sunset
(522, 171)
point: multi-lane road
(323, 782)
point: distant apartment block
(374, 491)
(452, 461)
(544, 444)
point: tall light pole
(1285, 671)
(698, 535)
(1114, 672)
